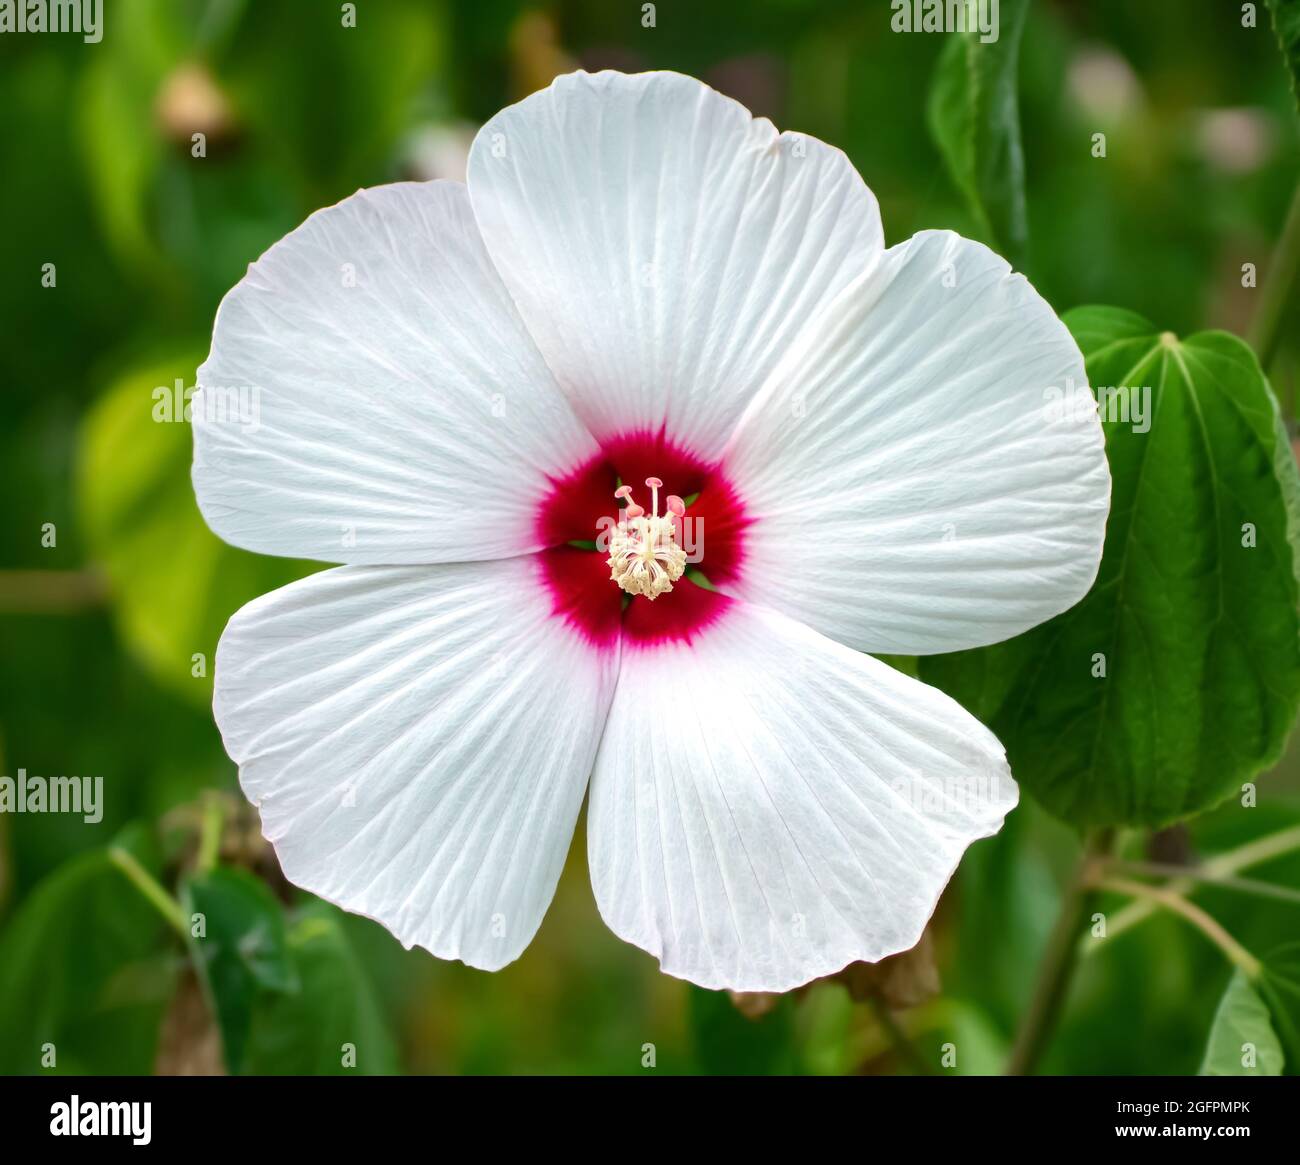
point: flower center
(644, 557)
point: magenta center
(581, 504)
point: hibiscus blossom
(631, 447)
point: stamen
(655, 486)
(644, 558)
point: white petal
(664, 247)
(917, 485)
(400, 411)
(418, 740)
(768, 805)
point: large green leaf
(974, 116)
(238, 945)
(332, 1018)
(83, 967)
(1286, 23)
(1193, 614)
(174, 582)
(1242, 1033)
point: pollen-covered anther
(644, 558)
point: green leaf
(240, 948)
(975, 120)
(84, 968)
(309, 1031)
(174, 582)
(1242, 1034)
(1194, 612)
(1279, 987)
(1286, 24)
(1288, 476)
(981, 681)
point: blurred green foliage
(99, 659)
(974, 112)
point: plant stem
(1280, 281)
(1187, 874)
(148, 886)
(1059, 960)
(210, 833)
(1208, 926)
(1253, 853)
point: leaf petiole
(148, 886)
(1191, 874)
(1253, 853)
(1232, 950)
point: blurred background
(113, 592)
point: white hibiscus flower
(639, 281)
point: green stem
(1186, 874)
(1279, 283)
(148, 886)
(210, 834)
(1207, 925)
(1253, 853)
(1060, 957)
